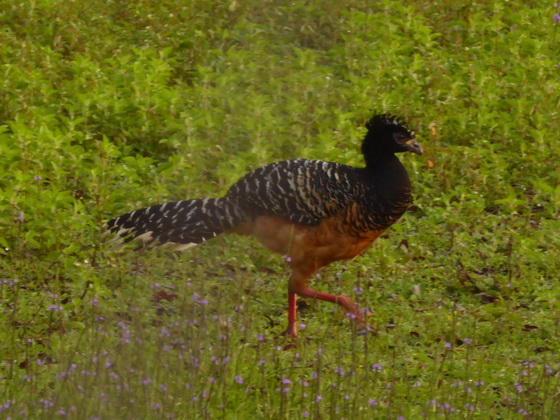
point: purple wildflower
(46, 403)
(372, 403)
(305, 414)
(467, 341)
(238, 379)
(366, 312)
(447, 345)
(376, 366)
(556, 17)
(339, 371)
(21, 216)
(37, 178)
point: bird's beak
(413, 146)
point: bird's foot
(290, 332)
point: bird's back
(308, 192)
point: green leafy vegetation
(112, 106)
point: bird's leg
(297, 280)
(291, 331)
(298, 286)
(351, 309)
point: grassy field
(111, 106)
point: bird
(310, 211)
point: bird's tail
(183, 224)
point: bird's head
(387, 135)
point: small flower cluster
(7, 404)
(195, 298)
(8, 282)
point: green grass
(108, 107)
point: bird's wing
(301, 190)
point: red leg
(346, 303)
(291, 331)
(297, 285)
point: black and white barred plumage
(302, 191)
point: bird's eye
(400, 137)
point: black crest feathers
(384, 121)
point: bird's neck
(387, 170)
(381, 161)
